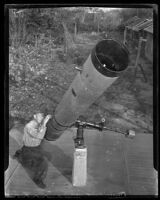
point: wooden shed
(129, 32)
(130, 20)
(149, 42)
(140, 28)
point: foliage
(39, 70)
(27, 25)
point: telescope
(107, 60)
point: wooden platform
(115, 164)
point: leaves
(40, 72)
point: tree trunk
(65, 37)
(24, 30)
(36, 41)
(95, 17)
(98, 26)
(75, 30)
(98, 21)
(83, 18)
(68, 40)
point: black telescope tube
(108, 59)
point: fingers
(49, 116)
(47, 119)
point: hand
(49, 116)
(46, 119)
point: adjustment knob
(103, 120)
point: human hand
(46, 119)
(49, 116)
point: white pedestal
(79, 174)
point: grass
(43, 74)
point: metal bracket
(77, 68)
(79, 139)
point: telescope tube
(108, 59)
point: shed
(130, 27)
(135, 23)
(149, 43)
(143, 25)
(136, 28)
(131, 20)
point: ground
(116, 165)
(48, 72)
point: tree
(97, 13)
